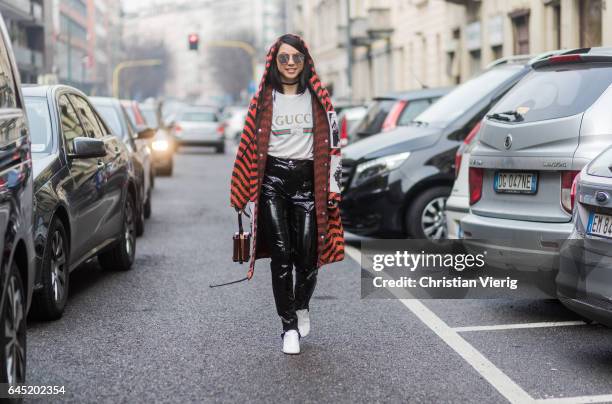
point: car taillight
(565, 59)
(468, 139)
(221, 129)
(458, 158)
(177, 128)
(343, 132)
(475, 179)
(567, 189)
(393, 115)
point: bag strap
(240, 229)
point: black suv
(396, 183)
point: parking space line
(604, 398)
(487, 370)
(518, 326)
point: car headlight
(377, 167)
(160, 145)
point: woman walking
(288, 165)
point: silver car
(584, 281)
(531, 146)
(199, 126)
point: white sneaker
(303, 322)
(291, 342)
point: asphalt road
(158, 333)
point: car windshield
(554, 92)
(602, 165)
(198, 116)
(150, 117)
(111, 116)
(39, 121)
(464, 97)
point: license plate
(600, 225)
(516, 182)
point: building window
(590, 23)
(520, 28)
(498, 52)
(474, 61)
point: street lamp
(245, 46)
(128, 64)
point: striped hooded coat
(250, 163)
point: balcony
(379, 22)
(16, 9)
(27, 58)
(359, 32)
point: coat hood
(313, 83)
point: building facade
(25, 21)
(400, 45)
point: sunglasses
(298, 58)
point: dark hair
(274, 77)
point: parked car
(235, 122)
(349, 118)
(396, 183)
(118, 120)
(458, 203)
(84, 189)
(163, 145)
(395, 109)
(531, 146)
(584, 280)
(138, 122)
(16, 187)
(199, 126)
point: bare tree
(233, 67)
(143, 82)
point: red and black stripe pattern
(251, 157)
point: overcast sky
(134, 5)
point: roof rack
(509, 59)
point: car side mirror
(86, 147)
(145, 133)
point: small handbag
(242, 243)
(242, 250)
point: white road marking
(604, 398)
(518, 326)
(492, 374)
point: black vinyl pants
(289, 223)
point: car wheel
(121, 256)
(426, 217)
(13, 330)
(147, 205)
(50, 301)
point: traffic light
(194, 42)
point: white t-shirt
(292, 125)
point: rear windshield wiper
(506, 116)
